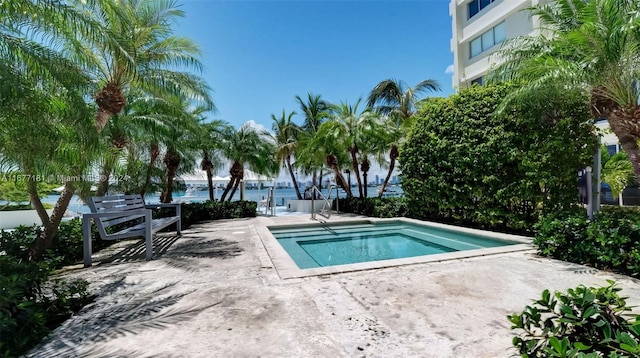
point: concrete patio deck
(214, 293)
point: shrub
(67, 244)
(28, 309)
(584, 322)
(212, 210)
(374, 207)
(464, 163)
(611, 241)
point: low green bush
(611, 241)
(30, 307)
(212, 210)
(374, 207)
(584, 322)
(67, 245)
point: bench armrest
(176, 206)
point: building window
(475, 6)
(479, 81)
(488, 39)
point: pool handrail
(314, 189)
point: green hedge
(611, 241)
(28, 312)
(374, 207)
(465, 164)
(212, 210)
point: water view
(199, 194)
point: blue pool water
(327, 245)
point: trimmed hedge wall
(465, 164)
(212, 210)
(374, 207)
(611, 241)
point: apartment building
(479, 28)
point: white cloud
(449, 70)
(257, 126)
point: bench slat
(108, 222)
(138, 230)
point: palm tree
(394, 98)
(251, 148)
(353, 128)
(397, 102)
(285, 137)
(315, 111)
(325, 148)
(42, 83)
(212, 135)
(140, 50)
(617, 171)
(591, 46)
(181, 143)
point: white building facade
(479, 27)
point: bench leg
(179, 223)
(86, 241)
(148, 236)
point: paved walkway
(213, 293)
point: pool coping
(287, 268)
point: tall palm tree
(397, 102)
(353, 127)
(41, 82)
(592, 46)
(247, 147)
(327, 149)
(182, 143)
(140, 50)
(315, 111)
(285, 137)
(394, 98)
(212, 135)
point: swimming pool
(313, 249)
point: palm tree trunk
(154, 153)
(320, 181)
(332, 163)
(210, 184)
(364, 178)
(293, 178)
(235, 187)
(105, 173)
(34, 198)
(341, 181)
(313, 183)
(168, 194)
(207, 166)
(356, 170)
(228, 188)
(393, 155)
(45, 241)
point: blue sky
(259, 54)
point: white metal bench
(113, 210)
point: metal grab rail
(269, 203)
(326, 205)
